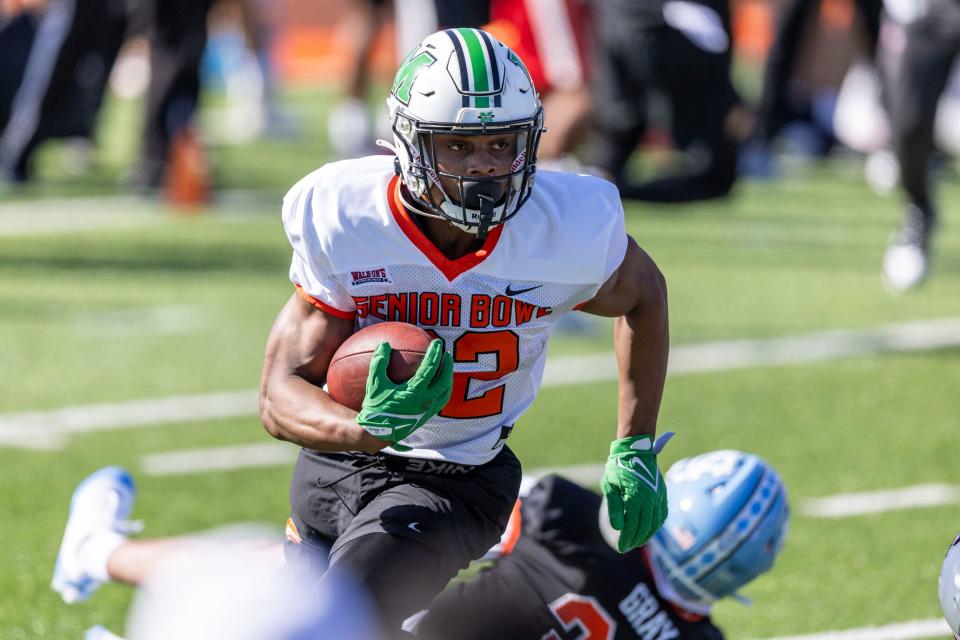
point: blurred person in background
(678, 51)
(416, 19)
(228, 584)
(351, 128)
(554, 38)
(177, 30)
(919, 43)
(18, 25)
(64, 79)
(782, 100)
(239, 64)
(556, 571)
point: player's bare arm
(293, 406)
(632, 485)
(636, 295)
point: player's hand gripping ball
(394, 375)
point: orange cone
(188, 178)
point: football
(347, 373)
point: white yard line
(49, 429)
(841, 505)
(90, 213)
(246, 456)
(271, 454)
(854, 504)
(171, 319)
(586, 474)
(913, 630)
(58, 216)
(725, 355)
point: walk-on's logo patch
(371, 275)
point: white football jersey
(357, 254)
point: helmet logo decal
(407, 73)
(515, 59)
(485, 116)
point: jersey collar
(451, 269)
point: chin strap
(479, 195)
(380, 142)
(486, 216)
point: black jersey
(561, 582)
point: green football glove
(634, 489)
(392, 411)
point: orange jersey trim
(451, 269)
(291, 532)
(513, 530)
(323, 306)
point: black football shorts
(458, 510)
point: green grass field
(146, 304)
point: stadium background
(785, 344)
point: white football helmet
(464, 82)
(950, 587)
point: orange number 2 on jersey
(584, 612)
(505, 345)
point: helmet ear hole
(406, 129)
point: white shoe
(907, 261)
(97, 523)
(99, 633)
(904, 266)
(349, 128)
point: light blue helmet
(727, 522)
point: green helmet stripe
(478, 65)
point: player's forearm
(641, 342)
(294, 410)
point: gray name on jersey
(642, 611)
